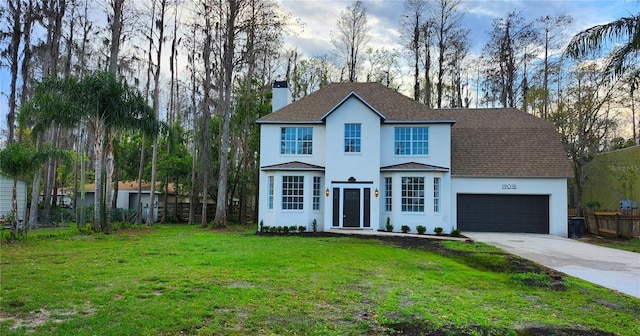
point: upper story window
(411, 141)
(296, 140)
(352, 138)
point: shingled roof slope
(393, 106)
(505, 143)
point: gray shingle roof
(414, 166)
(391, 105)
(505, 143)
(293, 165)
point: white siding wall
(428, 218)
(363, 166)
(439, 146)
(279, 217)
(270, 145)
(556, 188)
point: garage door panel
(503, 213)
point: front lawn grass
(178, 279)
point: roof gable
(344, 100)
(390, 105)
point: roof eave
(289, 122)
(420, 122)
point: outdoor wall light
(376, 193)
(326, 192)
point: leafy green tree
(105, 105)
(18, 160)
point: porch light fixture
(326, 192)
(376, 193)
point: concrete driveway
(607, 267)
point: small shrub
(302, 228)
(293, 228)
(456, 233)
(279, 229)
(314, 225)
(261, 226)
(273, 229)
(405, 229)
(389, 225)
(421, 229)
(265, 228)
(285, 229)
(438, 231)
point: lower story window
(413, 194)
(292, 192)
(270, 192)
(436, 194)
(316, 193)
(388, 187)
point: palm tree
(623, 34)
(18, 160)
(106, 105)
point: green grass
(171, 280)
(632, 245)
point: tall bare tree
(447, 19)
(12, 54)
(584, 119)
(504, 54)
(411, 23)
(351, 36)
(162, 9)
(552, 33)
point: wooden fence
(611, 222)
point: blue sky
(319, 18)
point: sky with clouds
(318, 18)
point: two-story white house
(356, 155)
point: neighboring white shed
(6, 186)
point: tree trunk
(16, 9)
(229, 48)
(108, 190)
(35, 191)
(156, 108)
(98, 146)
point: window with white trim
(352, 136)
(270, 192)
(413, 194)
(411, 141)
(436, 194)
(296, 140)
(292, 192)
(316, 192)
(388, 188)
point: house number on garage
(508, 186)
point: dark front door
(351, 208)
